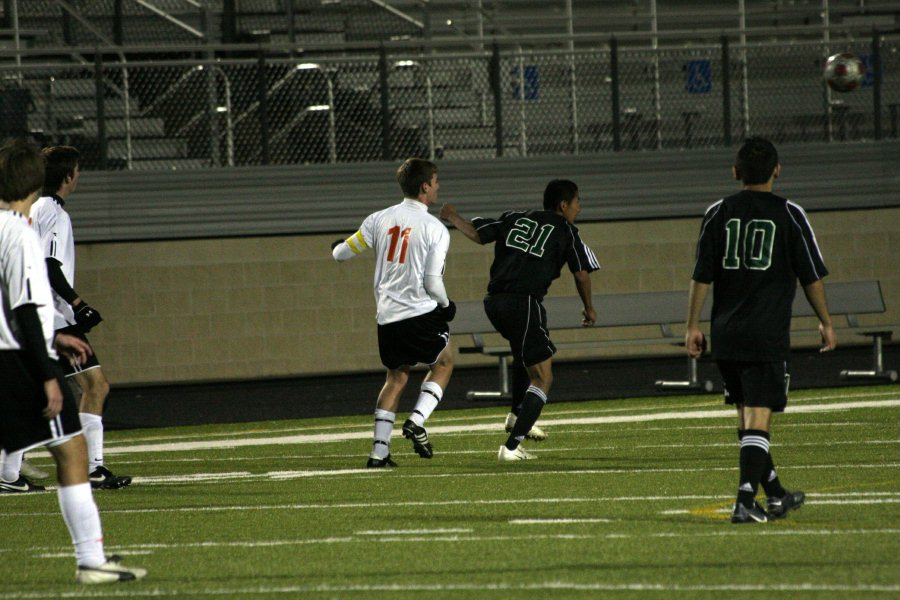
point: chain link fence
(255, 108)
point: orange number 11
(396, 234)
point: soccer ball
(844, 72)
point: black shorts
(21, 401)
(757, 384)
(522, 320)
(92, 361)
(411, 341)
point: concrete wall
(220, 309)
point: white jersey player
(412, 308)
(36, 406)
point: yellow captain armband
(356, 242)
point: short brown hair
(21, 170)
(413, 173)
(61, 163)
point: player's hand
(694, 343)
(448, 312)
(87, 317)
(74, 349)
(336, 243)
(448, 211)
(54, 399)
(829, 338)
(590, 317)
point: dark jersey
(753, 247)
(530, 250)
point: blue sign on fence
(869, 79)
(699, 77)
(532, 85)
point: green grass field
(628, 499)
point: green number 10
(759, 239)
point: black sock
(520, 383)
(770, 482)
(754, 453)
(528, 415)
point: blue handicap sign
(869, 77)
(699, 77)
(532, 84)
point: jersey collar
(58, 200)
(412, 203)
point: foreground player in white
(413, 310)
(37, 408)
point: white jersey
(409, 244)
(23, 280)
(54, 228)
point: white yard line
(321, 438)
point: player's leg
(76, 501)
(94, 390)
(779, 501)
(541, 377)
(521, 381)
(430, 395)
(385, 414)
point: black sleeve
(58, 281)
(32, 342)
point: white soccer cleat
(32, 472)
(112, 571)
(507, 455)
(536, 434)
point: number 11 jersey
(409, 244)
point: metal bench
(663, 310)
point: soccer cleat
(380, 463)
(754, 514)
(32, 472)
(778, 508)
(102, 479)
(419, 438)
(19, 486)
(112, 571)
(535, 434)
(507, 455)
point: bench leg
(877, 371)
(693, 381)
(503, 393)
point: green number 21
(756, 249)
(521, 237)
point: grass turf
(629, 499)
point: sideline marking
(487, 427)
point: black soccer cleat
(754, 514)
(103, 479)
(20, 486)
(419, 438)
(380, 463)
(778, 508)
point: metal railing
(449, 101)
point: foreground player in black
(530, 250)
(753, 247)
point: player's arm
(346, 249)
(433, 280)
(583, 285)
(449, 214)
(815, 294)
(35, 350)
(693, 337)
(85, 315)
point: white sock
(428, 400)
(92, 428)
(11, 465)
(83, 520)
(384, 426)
